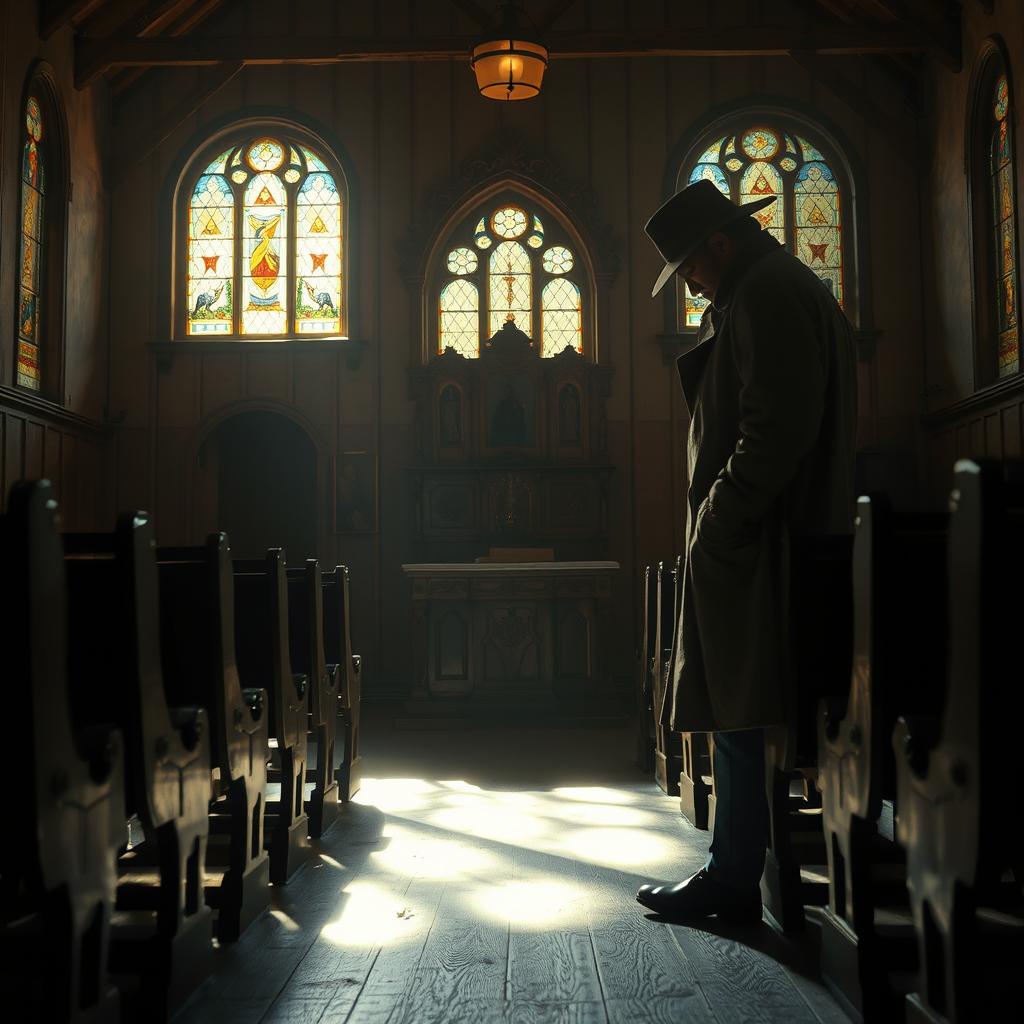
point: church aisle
(489, 876)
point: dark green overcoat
(771, 389)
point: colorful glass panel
(217, 165)
(711, 154)
(211, 253)
(809, 152)
(764, 161)
(558, 260)
(760, 143)
(536, 239)
(462, 261)
(510, 288)
(819, 225)
(481, 239)
(561, 317)
(509, 222)
(1005, 230)
(459, 319)
(32, 247)
(713, 173)
(318, 257)
(264, 302)
(761, 180)
(265, 155)
(268, 192)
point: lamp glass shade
(509, 69)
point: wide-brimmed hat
(680, 226)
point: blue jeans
(741, 812)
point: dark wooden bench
(959, 799)
(161, 931)
(64, 813)
(644, 689)
(667, 744)
(306, 644)
(264, 661)
(821, 617)
(348, 766)
(197, 642)
(899, 664)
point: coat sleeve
(779, 352)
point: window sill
(351, 348)
(983, 398)
(33, 404)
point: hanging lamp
(509, 62)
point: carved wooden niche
(511, 448)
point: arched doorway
(265, 471)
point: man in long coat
(771, 388)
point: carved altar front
(523, 639)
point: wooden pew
(306, 645)
(900, 610)
(348, 767)
(197, 642)
(696, 780)
(667, 744)
(959, 798)
(821, 617)
(161, 930)
(64, 810)
(644, 688)
(261, 649)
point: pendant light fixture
(509, 62)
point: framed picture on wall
(355, 492)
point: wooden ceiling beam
(94, 57)
(552, 13)
(55, 14)
(476, 11)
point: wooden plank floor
(489, 876)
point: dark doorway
(266, 485)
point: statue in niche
(451, 417)
(569, 415)
(508, 424)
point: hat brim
(668, 271)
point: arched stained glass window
(769, 158)
(459, 318)
(561, 315)
(32, 248)
(528, 272)
(265, 252)
(1002, 173)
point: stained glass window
(459, 318)
(496, 270)
(1004, 214)
(561, 317)
(510, 292)
(284, 203)
(807, 216)
(32, 247)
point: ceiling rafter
(94, 57)
(55, 14)
(177, 17)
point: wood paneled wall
(963, 421)
(404, 131)
(64, 440)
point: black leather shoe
(701, 896)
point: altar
(515, 639)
